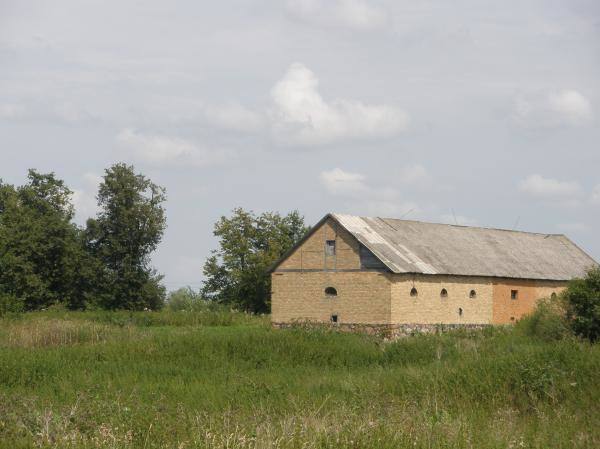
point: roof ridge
(383, 219)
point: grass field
(217, 379)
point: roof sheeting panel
(407, 246)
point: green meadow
(222, 379)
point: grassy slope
(216, 379)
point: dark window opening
(473, 294)
(330, 291)
(512, 318)
(334, 318)
(330, 247)
(514, 294)
(414, 292)
(553, 295)
(460, 311)
(444, 293)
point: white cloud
(355, 14)
(158, 150)
(84, 199)
(364, 198)
(234, 116)
(301, 114)
(571, 105)
(70, 112)
(538, 186)
(358, 14)
(564, 107)
(53, 110)
(12, 111)
(340, 182)
(596, 195)
(413, 174)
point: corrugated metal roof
(407, 246)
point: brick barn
(402, 275)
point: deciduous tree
(40, 251)
(128, 228)
(237, 273)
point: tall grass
(45, 331)
(164, 382)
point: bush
(582, 299)
(186, 299)
(9, 304)
(547, 322)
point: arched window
(553, 295)
(473, 294)
(444, 293)
(330, 291)
(413, 292)
(460, 311)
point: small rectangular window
(334, 318)
(514, 294)
(330, 247)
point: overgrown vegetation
(547, 322)
(582, 304)
(192, 379)
(574, 313)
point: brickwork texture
(382, 298)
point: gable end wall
(311, 254)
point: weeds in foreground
(96, 379)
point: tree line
(47, 259)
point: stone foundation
(391, 331)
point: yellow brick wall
(363, 297)
(507, 310)
(428, 307)
(383, 298)
(311, 254)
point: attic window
(330, 247)
(444, 293)
(514, 294)
(330, 291)
(414, 292)
(334, 318)
(473, 294)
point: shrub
(547, 322)
(185, 299)
(582, 299)
(9, 304)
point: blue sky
(483, 113)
